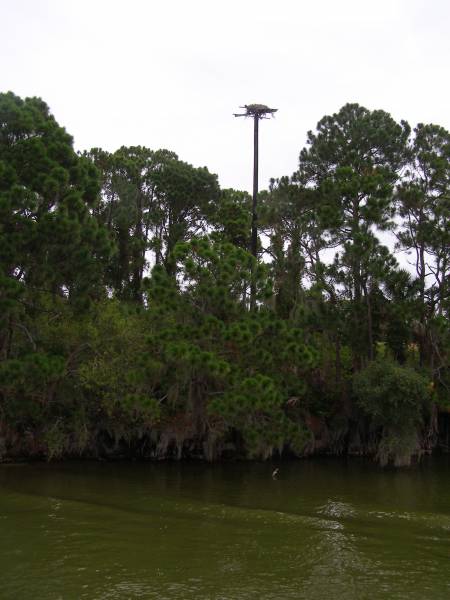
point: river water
(325, 529)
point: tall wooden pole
(254, 244)
(254, 239)
(257, 111)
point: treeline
(126, 326)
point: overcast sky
(170, 73)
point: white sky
(170, 73)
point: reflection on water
(323, 529)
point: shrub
(396, 398)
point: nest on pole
(256, 110)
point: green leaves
(125, 282)
(392, 394)
(151, 200)
(49, 239)
(397, 399)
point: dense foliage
(126, 327)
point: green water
(325, 529)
